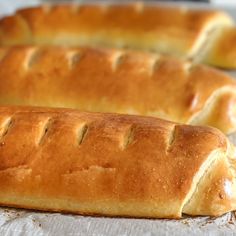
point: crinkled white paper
(30, 223)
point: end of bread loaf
(216, 190)
(219, 111)
(222, 52)
(14, 30)
(210, 31)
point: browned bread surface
(117, 81)
(96, 163)
(170, 30)
(222, 53)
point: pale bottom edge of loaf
(131, 209)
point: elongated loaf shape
(186, 33)
(118, 81)
(96, 163)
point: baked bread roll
(178, 31)
(118, 81)
(119, 165)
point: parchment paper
(30, 223)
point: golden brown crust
(222, 53)
(107, 164)
(134, 26)
(117, 81)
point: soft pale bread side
(119, 165)
(170, 30)
(118, 81)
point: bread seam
(27, 27)
(210, 103)
(214, 156)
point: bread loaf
(119, 165)
(187, 33)
(117, 81)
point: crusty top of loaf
(117, 81)
(174, 30)
(154, 167)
